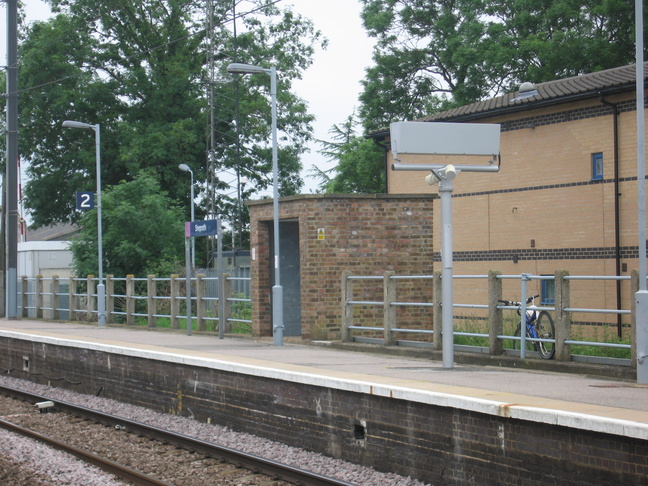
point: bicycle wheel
(545, 328)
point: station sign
(201, 228)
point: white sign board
(445, 138)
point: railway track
(225, 465)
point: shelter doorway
(290, 271)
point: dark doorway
(289, 274)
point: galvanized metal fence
(380, 321)
(152, 301)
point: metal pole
(221, 282)
(523, 325)
(641, 297)
(11, 180)
(445, 191)
(277, 290)
(188, 283)
(193, 218)
(101, 288)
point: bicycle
(539, 325)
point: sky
(330, 86)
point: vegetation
(141, 70)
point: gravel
(61, 469)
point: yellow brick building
(565, 197)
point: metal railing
(378, 321)
(130, 300)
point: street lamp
(186, 168)
(277, 290)
(101, 288)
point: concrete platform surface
(580, 397)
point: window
(597, 166)
(547, 297)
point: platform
(591, 403)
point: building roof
(59, 232)
(595, 84)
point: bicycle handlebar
(510, 302)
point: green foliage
(360, 163)
(432, 55)
(140, 69)
(142, 231)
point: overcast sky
(331, 86)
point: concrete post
(436, 311)
(56, 298)
(90, 291)
(38, 290)
(226, 291)
(495, 315)
(110, 299)
(200, 301)
(347, 309)
(175, 302)
(389, 311)
(151, 301)
(562, 319)
(130, 302)
(73, 300)
(24, 289)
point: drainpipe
(617, 229)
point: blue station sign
(201, 228)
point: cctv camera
(431, 179)
(450, 172)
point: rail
(159, 301)
(384, 322)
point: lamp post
(101, 288)
(277, 289)
(186, 168)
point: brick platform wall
(438, 445)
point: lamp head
(77, 124)
(184, 167)
(239, 68)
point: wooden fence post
(389, 311)
(175, 302)
(151, 301)
(130, 302)
(347, 309)
(562, 319)
(495, 315)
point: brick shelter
(324, 235)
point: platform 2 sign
(201, 228)
(85, 201)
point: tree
(435, 54)
(139, 69)
(360, 167)
(142, 231)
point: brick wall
(543, 206)
(435, 444)
(364, 234)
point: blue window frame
(597, 166)
(548, 296)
